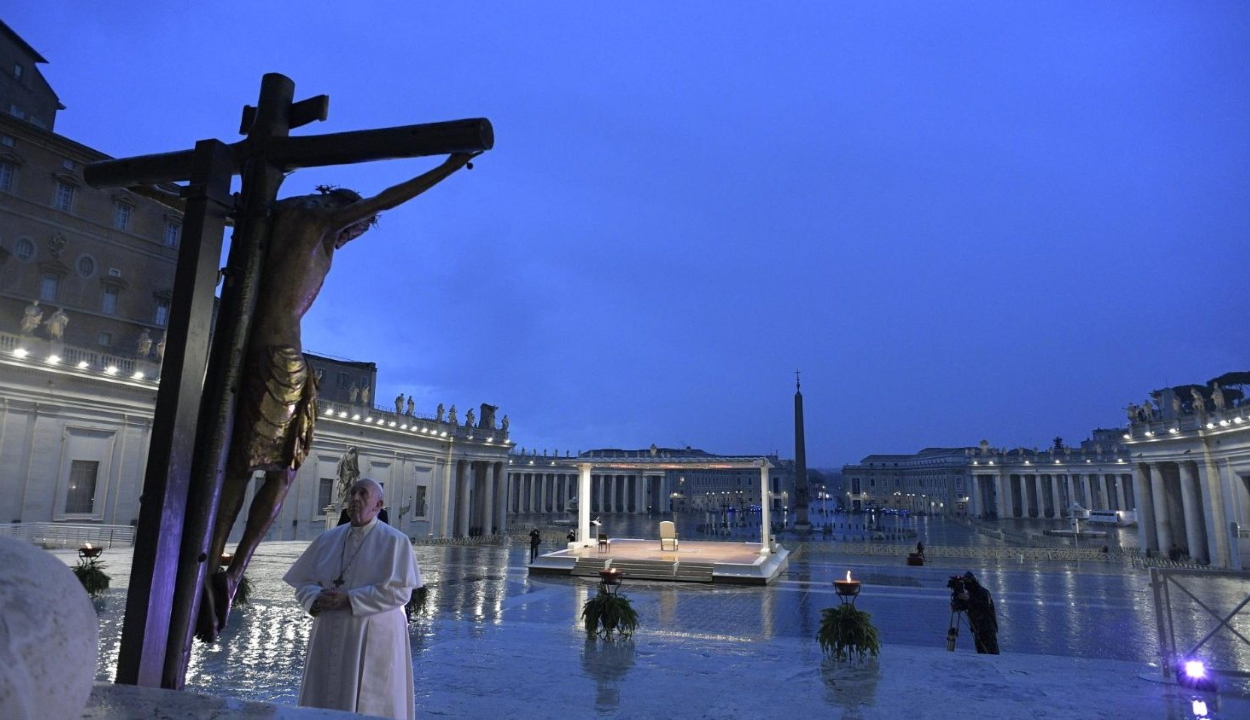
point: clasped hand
(330, 600)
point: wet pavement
(1078, 642)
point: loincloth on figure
(277, 409)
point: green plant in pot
(90, 572)
(608, 611)
(847, 633)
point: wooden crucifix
(215, 409)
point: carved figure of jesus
(277, 401)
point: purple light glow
(1195, 669)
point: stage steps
(589, 566)
(687, 571)
(645, 569)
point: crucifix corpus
(249, 402)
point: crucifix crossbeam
(196, 399)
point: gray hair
(374, 483)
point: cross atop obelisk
(196, 401)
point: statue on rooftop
(411, 406)
(469, 418)
(1200, 403)
(438, 414)
(56, 324)
(364, 396)
(160, 347)
(144, 347)
(1217, 397)
(32, 317)
(353, 395)
(451, 416)
(488, 417)
(399, 404)
(504, 423)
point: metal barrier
(1161, 582)
(51, 535)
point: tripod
(952, 632)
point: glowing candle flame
(848, 576)
(88, 546)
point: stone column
(488, 500)
(1106, 492)
(974, 501)
(1220, 509)
(1120, 499)
(1192, 500)
(542, 492)
(1071, 484)
(501, 513)
(462, 499)
(1162, 516)
(1024, 495)
(1147, 539)
(1003, 483)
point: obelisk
(801, 523)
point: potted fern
(847, 633)
(90, 572)
(609, 612)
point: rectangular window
(162, 313)
(49, 284)
(121, 216)
(343, 381)
(17, 71)
(64, 197)
(418, 503)
(325, 493)
(108, 302)
(6, 176)
(105, 339)
(80, 499)
(173, 233)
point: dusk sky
(998, 220)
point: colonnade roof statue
(250, 402)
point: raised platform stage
(693, 561)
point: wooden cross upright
(196, 399)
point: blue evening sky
(960, 220)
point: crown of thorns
(345, 194)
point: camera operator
(970, 596)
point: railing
(381, 417)
(1161, 582)
(51, 535)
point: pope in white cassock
(355, 580)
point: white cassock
(359, 661)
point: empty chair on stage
(668, 535)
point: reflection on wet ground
(1097, 611)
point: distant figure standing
(536, 539)
(468, 418)
(920, 550)
(411, 406)
(353, 395)
(399, 404)
(451, 415)
(364, 396)
(438, 414)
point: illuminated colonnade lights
(55, 360)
